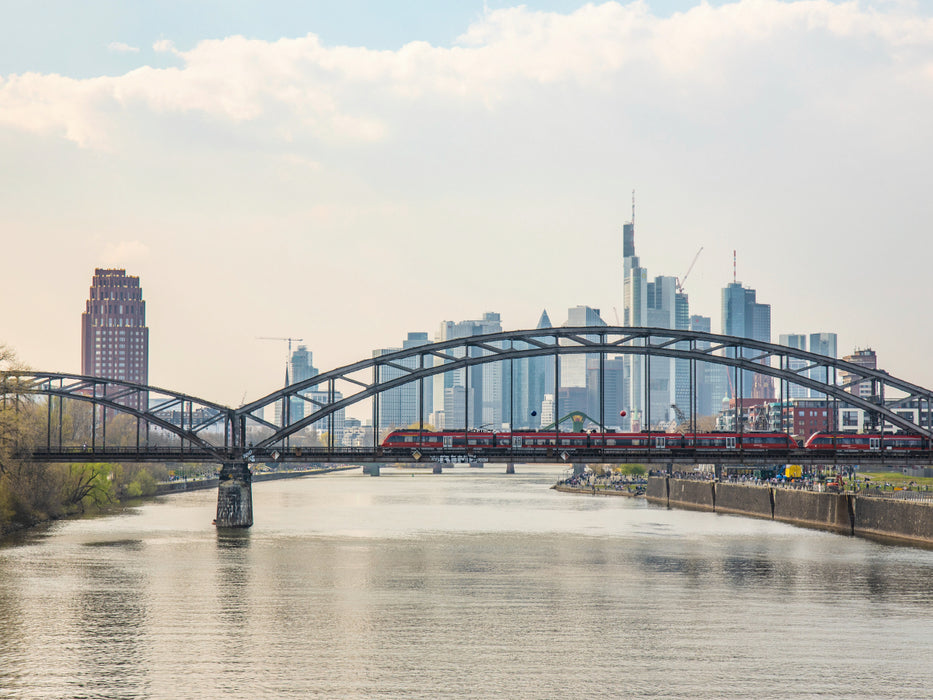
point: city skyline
(293, 173)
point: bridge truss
(206, 431)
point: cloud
(302, 90)
(164, 46)
(119, 253)
(120, 47)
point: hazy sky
(349, 172)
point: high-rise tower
(114, 336)
(745, 317)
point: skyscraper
(482, 383)
(798, 341)
(533, 378)
(114, 335)
(711, 381)
(822, 344)
(300, 367)
(634, 314)
(745, 317)
(399, 407)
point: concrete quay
(598, 491)
(891, 520)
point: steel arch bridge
(207, 431)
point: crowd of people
(605, 482)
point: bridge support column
(371, 469)
(578, 469)
(235, 496)
(437, 468)
(510, 468)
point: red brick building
(114, 336)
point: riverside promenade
(876, 515)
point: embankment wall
(741, 499)
(889, 519)
(826, 511)
(906, 521)
(696, 495)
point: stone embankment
(902, 521)
(597, 491)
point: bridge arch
(695, 346)
(120, 397)
(196, 416)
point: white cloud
(120, 47)
(349, 94)
(119, 253)
(164, 46)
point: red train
(868, 442)
(477, 442)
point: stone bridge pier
(235, 496)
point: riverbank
(11, 530)
(876, 517)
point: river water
(472, 583)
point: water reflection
(426, 590)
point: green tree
(87, 485)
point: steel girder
(695, 346)
(417, 364)
(124, 397)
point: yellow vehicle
(793, 471)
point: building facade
(481, 402)
(745, 317)
(114, 335)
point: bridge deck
(504, 455)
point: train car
(865, 442)
(476, 442)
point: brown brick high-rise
(114, 336)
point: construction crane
(289, 355)
(679, 281)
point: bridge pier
(437, 468)
(371, 469)
(578, 468)
(235, 496)
(510, 468)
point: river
(472, 583)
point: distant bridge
(207, 431)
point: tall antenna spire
(633, 210)
(733, 268)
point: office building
(798, 341)
(711, 382)
(745, 317)
(300, 368)
(399, 407)
(482, 399)
(533, 378)
(822, 344)
(863, 358)
(114, 335)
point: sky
(347, 173)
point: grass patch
(897, 479)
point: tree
(87, 484)
(13, 406)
